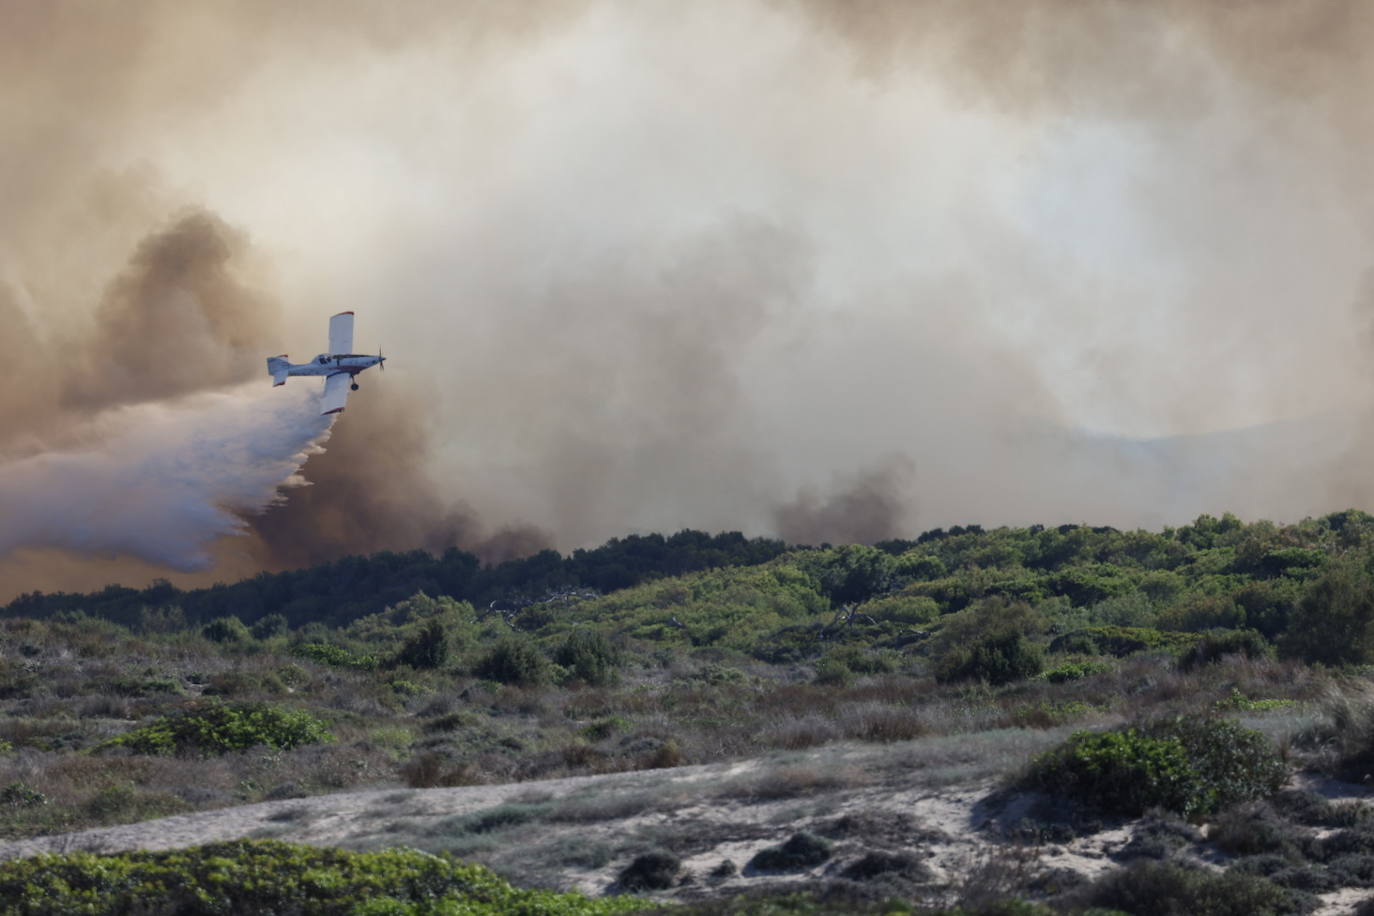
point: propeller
(381, 360)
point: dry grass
(68, 695)
(795, 780)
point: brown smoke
(177, 320)
(869, 508)
(370, 492)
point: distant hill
(354, 586)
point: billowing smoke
(871, 507)
(146, 448)
(831, 269)
(177, 320)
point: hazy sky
(834, 270)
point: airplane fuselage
(328, 364)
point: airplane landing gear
(355, 386)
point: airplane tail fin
(278, 367)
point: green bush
(1074, 671)
(514, 660)
(833, 672)
(218, 728)
(1334, 621)
(1203, 612)
(226, 629)
(1149, 888)
(269, 626)
(849, 574)
(589, 656)
(733, 608)
(1189, 766)
(265, 876)
(1121, 641)
(1217, 644)
(908, 610)
(1233, 763)
(801, 851)
(655, 870)
(998, 659)
(20, 795)
(1124, 772)
(335, 656)
(426, 649)
(989, 642)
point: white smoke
(164, 480)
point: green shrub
(514, 660)
(218, 728)
(1233, 763)
(602, 729)
(997, 659)
(335, 656)
(655, 871)
(860, 660)
(21, 795)
(800, 852)
(1074, 671)
(265, 876)
(1203, 612)
(269, 626)
(1133, 609)
(1334, 621)
(589, 656)
(1217, 644)
(407, 688)
(849, 574)
(426, 649)
(1241, 703)
(833, 671)
(1123, 772)
(1190, 766)
(225, 629)
(1252, 829)
(989, 642)
(1120, 641)
(1147, 888)
(909, 610)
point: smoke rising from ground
(829, 270)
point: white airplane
(338, 366)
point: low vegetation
(1175, 658)
(263, 876)
(1193, 766)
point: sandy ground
(934, 803)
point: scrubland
(1129, 719)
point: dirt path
(930, 801)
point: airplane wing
(341, 333)
(335, 391)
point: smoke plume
(828, 270)
(870, 508)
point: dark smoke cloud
(370, 492)
(177, 320)
(873, 506)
